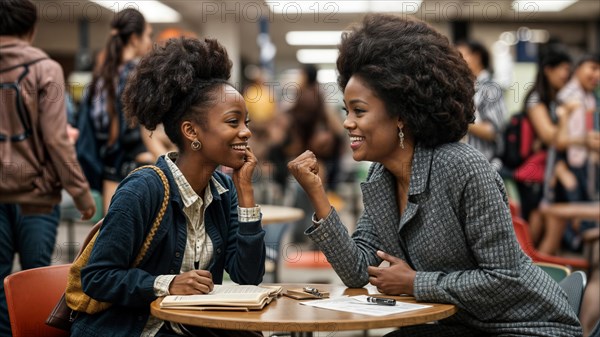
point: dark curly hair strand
(421, 78)
(176, 82)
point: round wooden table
(272, 214)
(286, 314)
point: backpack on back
(519, 137)
(19, 104)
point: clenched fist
(305, 169)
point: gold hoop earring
(196, 145)
(401, 136)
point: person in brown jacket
(36, 157)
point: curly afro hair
(420, 77)
(176, 82)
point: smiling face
(373, 133)
(558, 76)
(588, 74)
(224, 135)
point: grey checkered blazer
(456, 232)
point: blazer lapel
(379, 195)
(380, 205)
(419, 178)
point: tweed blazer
(456, 232)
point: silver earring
(401, 136)
(196, 145)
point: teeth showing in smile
(239, 147)
(356, 139)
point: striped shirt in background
(490, 107)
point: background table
(272, 214)
(286, 314)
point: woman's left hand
(242, 178)
(396, 279)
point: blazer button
(177, 254)
(172, 271)
(218, 250)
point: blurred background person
(490, 110)
(580, 138)
(307, 125)
(575, 167)
(119, 147)
(540, 105)
(37, 157)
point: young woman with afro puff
(211, 223)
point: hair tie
(114, 32)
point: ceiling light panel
(154, 11)
(313, 38)
(356, 6)
(317, 56)
(541, 6)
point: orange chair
(522, 231)
(314, 259)
(308, 266)
(31, 295)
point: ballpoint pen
(313, 291)
(381, 301)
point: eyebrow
(357, 100)
(237, 112)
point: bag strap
(26, 64)
(159, 216)
(91, 237)
(22, 111)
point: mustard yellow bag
(76, 299)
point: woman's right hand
(192, 282)
(305, 169)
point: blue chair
(556, 271)
(574, 286)
(273, 238)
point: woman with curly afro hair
(434, 208)
(211, 223)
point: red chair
(522, 231)
(31, 295)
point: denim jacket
(238, 248)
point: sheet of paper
(359, 305)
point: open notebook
(225, 297)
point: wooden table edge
(440, 311)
